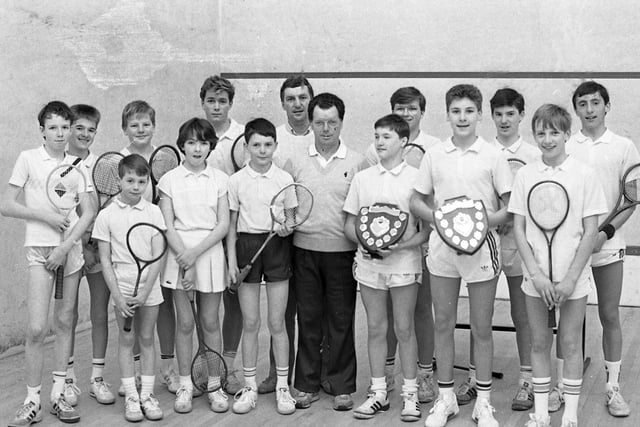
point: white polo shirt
(586, 198)
(379, 185)
(194, 196)
(114, 221)
(528, 153)
(480, 172)
(341, 153)
(610, 155)
(30, 173)
(423, 139)
(290, 145)
(250, 195)
(220, 157)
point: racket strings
(164, 160)
(105, 174)
(140, 242)
(548, 205)
(632, 189)
(293, 206)
(207, 371)
(64, 187)
(515, 165)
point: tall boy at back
(45, 253)
(610, 155)
(486, 177)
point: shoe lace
(63, 405)
(150, 401)
(410, 399)
(243, 394)
(523, 393)
(485, 409)
(101, 385)
(182, 393)
(440, 407)
(285, 396)
(221, 394)
(71, 386)
(132, 401)
(25, 409)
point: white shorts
(37, 255)
(482, 266)
(582, 289)
(126, 276)
(382, 281)
(211, 266)
(511, 262)
(606, 257)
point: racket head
(105, 174)
(139, 242)
(548, 204)
(412, 154)
(292, 205)
(631, 184)
(239, 154)
(515, 164)
(162, 160)
(64, 185)
(208, 370)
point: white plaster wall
(109, 52)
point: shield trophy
(462, 224)
(379, 226)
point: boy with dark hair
(45, 253)
(488, 178)
(610, 155)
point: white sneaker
(285, 403)
(71, 392)
(132, 411)
(219, 401)
(245, 400)
(483, 414)
(182, 404)
(171, 380)
(441, 412)
(410, 407)
(535, 421)
(375, 402)
(151, 408)
(101, 391)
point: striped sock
(146, 385)
(541, 387)
(70, 372)
(58, 384)
(390, 365)
(410, 385)
(97, 367)
(136, 364)
(425, 369)
(250, 378)
(445, 390)
(525, 374)
(33, 394)
(282, 376)
(130, 389)
(613, 373)
(571, 398)
(484, 390)
(166, 362)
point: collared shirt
(586, 198)
(610, 155)
(291, 145)
(148, 191)
(250, 194)
(194, 196)
(528, 153)
(341, 153)
(480, 172)
(114, 221)
(377, 184)
(221, 156)
(412, 157)
(30, 173)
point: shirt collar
(475, 147)
(606, 137)
(253, 174)
(341, 153)
(513, 148)
(229, 134)
(139, 206)
(395, 171)
(68, 158)
(186, 172)
(564, 166)
(289, 129)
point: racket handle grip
(127, 324)
(551, 319)
(58, 293)
(244, 271)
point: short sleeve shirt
(250, 194)
(610, 155)
(30, 173)
(586, 198)
(377, 184)
(194, 196)
(114, 221)
(480, 172)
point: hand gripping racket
(238, 153)
(412, 154)
(290, 207)
(140, 244)
(629, 193)
(548, 206)
(208, 369)
(162, 160)
(63, 187)
(515, 164)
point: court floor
(592, 409)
